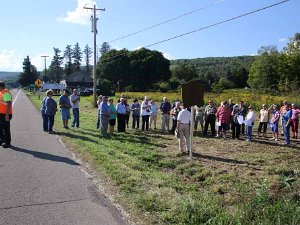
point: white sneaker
(273, 138)
(276, 139)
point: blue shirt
(165, 107)
(65, 101)
(136, 109)
(104, 109)
(287, 115)
(121, 108)
(43, 108)
(51, 106)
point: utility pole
(45, 57)
(94, 30)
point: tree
(68, 53)
(140, 69)
(87, 55)
(105, 47)
(77, 58)
(56, 70)
(289, 65)
(264, 73)
(114, 66)
(29, 75)
(184, 71)
(147, 68)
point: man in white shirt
(145, 108)
(183, 127)
(75, 99)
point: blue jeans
(249, 132)
(286, 132)
(45, 121)
(76, 117)
(50, 122)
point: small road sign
(38, 83)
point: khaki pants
(165, 118)
(184, 137)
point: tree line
(145, 70)
(62, 64)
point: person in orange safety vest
(5, 115)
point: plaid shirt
(210, 109)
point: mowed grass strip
(228, 181)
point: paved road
(40, 183)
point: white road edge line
(15, 98)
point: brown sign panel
(193, 93)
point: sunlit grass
(228, 182)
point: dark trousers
(76, 117)
(145, 120)
(174, 124)
(5, 129)
(45, 122)
(236, 130)
(127, 119)
(135, 121)
(50, 122)
(210, 119)
(121, 122)
(262, 125)
(98, 120)
(243, 129)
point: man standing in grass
(5, 115)
(75, 99)
(165, 108)
(65, 106)
(104, 116)
(183, 127)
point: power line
(167, 21)
(209, 26)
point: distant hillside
(10, 78)
(220, 72)
(219, 65)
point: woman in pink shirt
(223, 116)
(295, 120)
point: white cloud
(79, 15)
(282, 40)
(39, 62)
(10, 61)
(167, 55)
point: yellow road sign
(38, 83)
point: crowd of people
(227, 116)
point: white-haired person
(145, 109)
(249, 122)
(183, 127)
(165, 108)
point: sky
(32, 28)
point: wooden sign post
(192, 94)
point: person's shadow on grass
(46, 156)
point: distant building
(79, 80)
(58, 87)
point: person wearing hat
(249, 122)
(65, 106)
(104, 116)
(210, 118)
(5, 115)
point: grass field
(227, 182)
